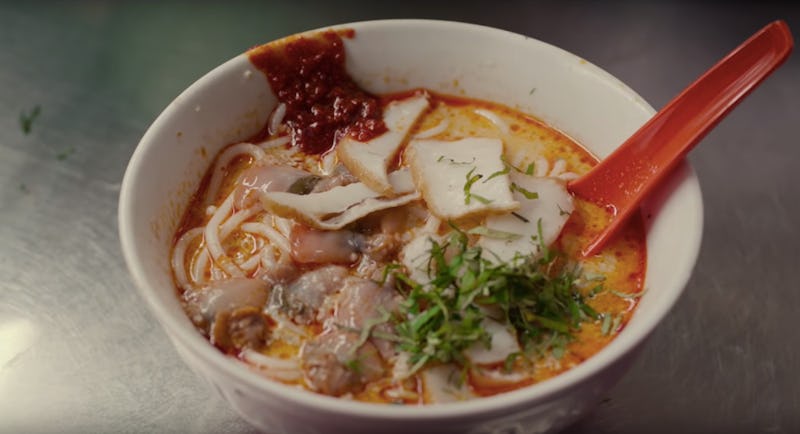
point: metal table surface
(79, 351)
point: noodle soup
(410, 248)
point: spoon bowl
(623, 179)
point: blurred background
(80, 82)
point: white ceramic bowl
(233, 101)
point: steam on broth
(411, 248)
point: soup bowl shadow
(233, 102)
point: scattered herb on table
(26, 118)
(63, 155)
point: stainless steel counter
(79, 352)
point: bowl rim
(623, 344)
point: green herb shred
(440, 319)
(471, 179)
(530, 195)
(529, 169)
(498, 173)
(26, 119)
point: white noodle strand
(179, 256)
(276, 119)
(270, 362)
(235, 220)
(224, 159)
(274, 143)
(432, 225)
(433, 131)
(267, 257)
(283, 225)
(541, 167)
(275, 237)
(491, 116)
(213, 242)
(198, 267)
(568, 176)
(558, 167)
(201, 261)
(328, 163)
(250, 263)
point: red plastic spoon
(627, 176)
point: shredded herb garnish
(442, 318)
(354, 365)
(452, 161)
(386, 271)
(368, 326)
(26, 119)
(471, 179)
(480, 198)
(493, 233)
(498, 173)
(509, 165)
(508, 364)
(527, 193)
(596, 290)
(606, 326)
(628, 296)
(529, 169)
(616, 323)
(523, 218)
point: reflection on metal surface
(16, 336)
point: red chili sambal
(323, 103)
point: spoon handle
(623, 179)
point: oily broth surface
(622, 263)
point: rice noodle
(213, 242)
(401, 366)
(286, 329)
(328, 163)
(179, 256)
(541, 167)
(199, 265)
(558, 167)
(491, 116)
(267, 257)
(276, 119)
(202, 259)
(283, 225)
(400, 392)
(432, 225)
(223, 160)
(281, 369)
(235, 220)
(274, 143)
(250, 263)
(275, 237)
(568, 176)
(433, 131)
(217, 273)
(559, 171)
